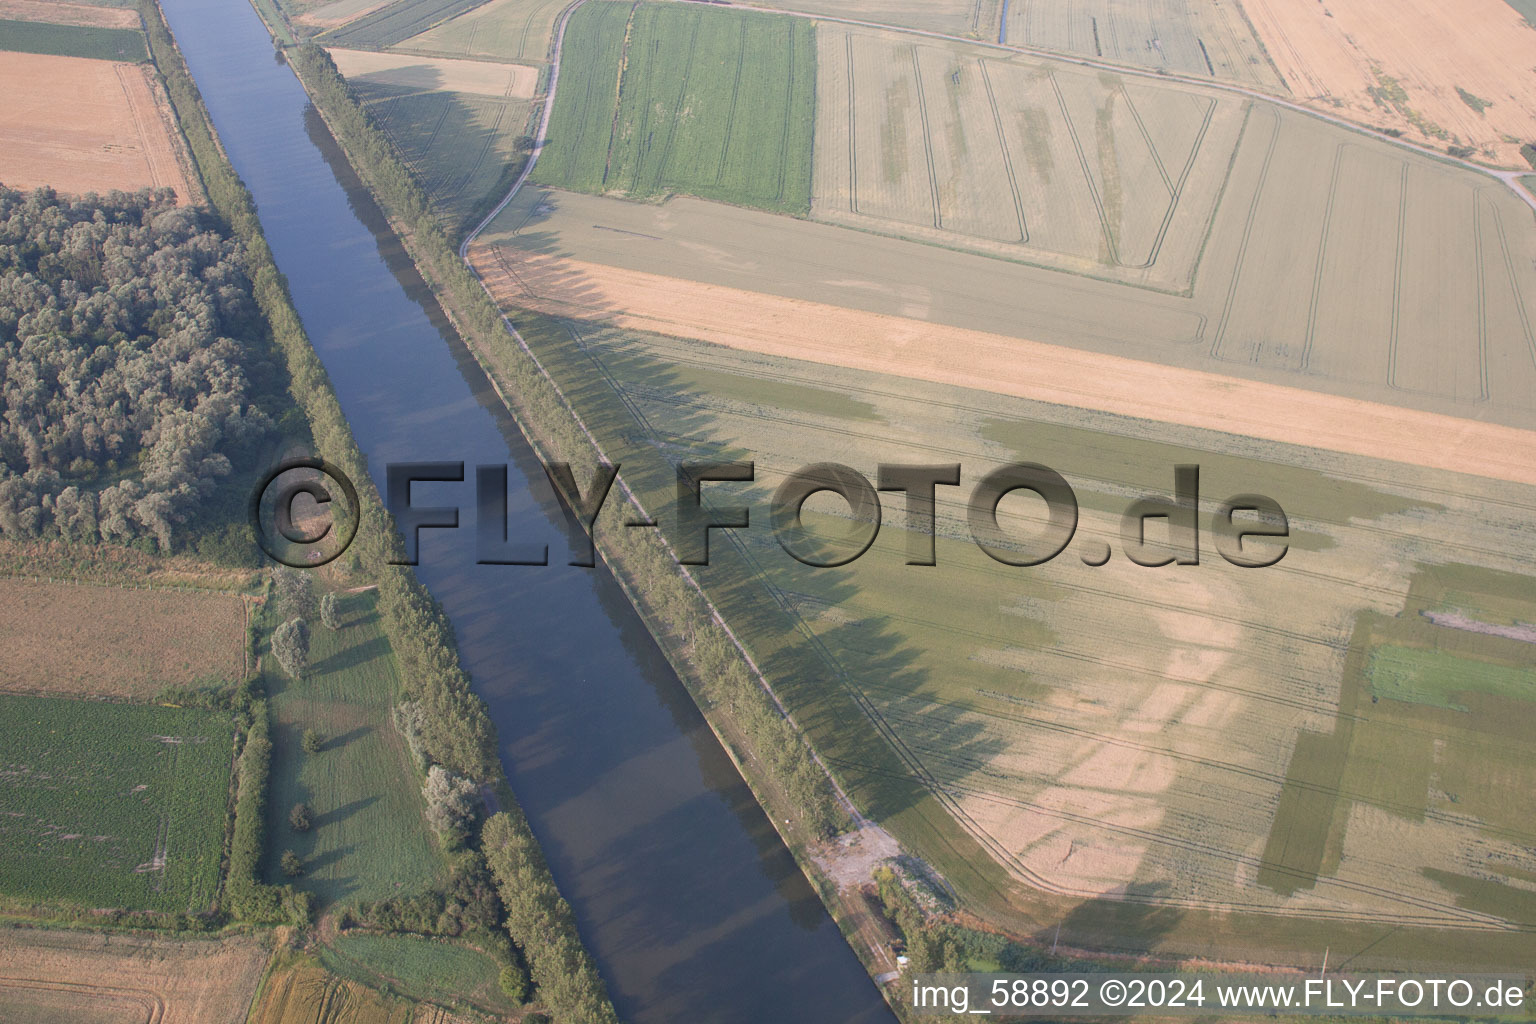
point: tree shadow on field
(1136, 923)
(345, 811)
(342, 739)
(352, 656)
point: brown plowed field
(797, 329)
(81, 125)
(67, 639)
(97, 979)
(1336, 53)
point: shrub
(298, 818)
(292, 865)
(313, 742)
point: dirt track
(796, 329)
(1429, 46)
(82, 125)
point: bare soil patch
(797, 329)
(1333, 55)
(75, 976)
(69, 14)
(66, 639)
(81, 125)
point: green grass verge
(93, 795)
(711, 103)
(369, 839)
(420, 968)
(123, 44)
(1438, 678)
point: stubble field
(1029, 160)
(1444, 74)
(426, 74)
(1200, 38)
(513, 30)
(69, 14)
(48, 976)
(973, 703)
(82, 125)
(66, 639)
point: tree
(514, 983)
(313, 741)
(328, 613)
(295, 591)
(292, 865)
(290, 646)
(298, 818)
(451, 801)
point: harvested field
(1121, 734)
(303, 994)
(1332, 262)
(48, 976)
(1191, 37)
(426, 74)
(68, 14)
(517, 30)
(795, 329)
(339, 12)
(68, 639)
(976, 18)
(82, 125)
(112, 805)
(1405, 64)
(1019, 158)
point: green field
(712, 103)
(111, 805)
(460, 145)
(513, 30)
(1437, 678)
(429, 969)
(396, 23)
(73, 40)
(369, 839)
